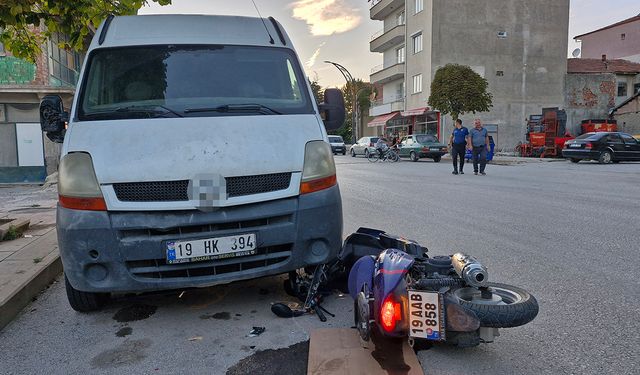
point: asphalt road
(566, 232)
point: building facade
(519, 46)
(620, 40)
(595, 87)
(26, 156)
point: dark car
(605, 147)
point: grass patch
(11, 234)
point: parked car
(364, 146)
(337, 144)
(418, 146)
(154, 192)
(605, 147)
(636, 136)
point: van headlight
(319, 171)
(78, 186)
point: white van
(194, 155)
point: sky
(340, 30)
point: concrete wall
(628, 117)
(8, 148)
(609, 42)
(531, 56)
(588, 96)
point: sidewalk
(27, 264)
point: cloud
(312, 60)
(326, 17)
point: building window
(636, 88)
(400, 18)
(417, 83)
(623, 36)
(500, 73)
(622, 89)
(400, 55)
(64, 66)
(417, 43)
(419, 6)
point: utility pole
(349, 78)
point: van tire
(84, 301)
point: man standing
(458, 142)
(480, 143)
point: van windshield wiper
(236, 108)
(151, 109)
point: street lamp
(349, 78)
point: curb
(30, 288)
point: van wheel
(84, 301)
(344, 152)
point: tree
(363, 91)
(318, 94)
(21, 21)
(457, 89)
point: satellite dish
(576, 52)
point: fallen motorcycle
(401, 292)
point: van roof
(189, 29)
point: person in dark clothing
(458, 143)
(480, 142)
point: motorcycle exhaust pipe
(470, 270)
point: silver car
(364, 146)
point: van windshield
(185, 81)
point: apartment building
(620, 40)
(25, 154)
(519, 46)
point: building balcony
(384, 40)
(381, 74)
(381, 9)
(381, 107)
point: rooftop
(628, 20)
(602, 66)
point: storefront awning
(382, 120)
(415, 112)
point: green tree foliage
(363, 91)
(20, 21)
(318, 93)
(457, 89)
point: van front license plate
(211, 248)
(426, 315)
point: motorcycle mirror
(284, 311)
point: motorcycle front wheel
(508, 306)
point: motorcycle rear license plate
(426, 315)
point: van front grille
(174, 191)
(156, 191)
(264, 183)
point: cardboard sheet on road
(336, 351)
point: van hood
(169, 149)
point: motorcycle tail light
(390, 314)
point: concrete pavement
(30, 263)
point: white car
(195, 155)
(364, 146)
(337, 144)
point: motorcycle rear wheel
(511, 306)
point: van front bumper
(126, 251)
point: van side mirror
(332, 109)
(53, 118)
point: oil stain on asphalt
(124, 331)
(220, 316)
(291, 360)
(127, 353)
(134, 312)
